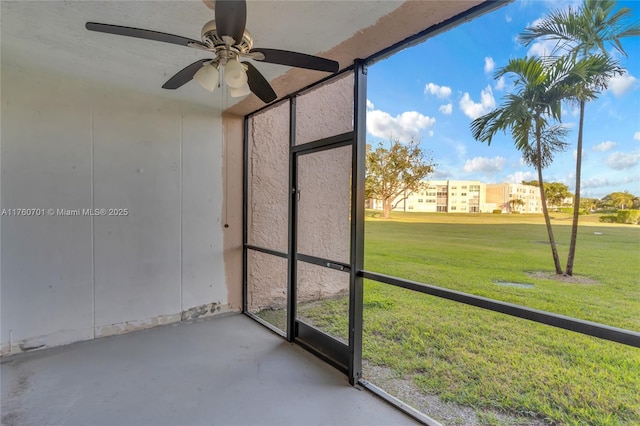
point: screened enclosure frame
(346, 358)
(352, 364)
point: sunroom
(225, 284)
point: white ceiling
(51, 34)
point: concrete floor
(226, 371)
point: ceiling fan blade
(140, 33)
(259, 85)
(295, 59)
(231, 18)
(184, 76)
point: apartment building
(468, 196)
(510, 197)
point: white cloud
(461, 150)
(622, 84)
(441, 92)
(574, 111)
(474, 110)
(370, 105)
(604, 146)
(489, 64)
(499, 84)
(594, 183)
(636, 136)
(518, 177)
(508, 18)
(541, 48)
(621, 160)
(405, 126)
(485, 165)
(446, 109)
(441, 174)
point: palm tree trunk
(576, 200)
(545, 211)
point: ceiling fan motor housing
(210, 37)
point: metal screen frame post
(293, 218)
(358, 165)
(245, 219)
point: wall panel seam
(93, 237)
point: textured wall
(269, 179)
(325, 111)
(266, 281)
(324, 180)
(68, 144)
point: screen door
(322, 195)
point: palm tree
(531, 112)
(515, 203)
(580, 33)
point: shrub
(515, 212)
(497, 211)
(628, 216)
(609, 219)
(569, 210)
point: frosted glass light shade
(207, 77)
(234, 74)
(236, 92)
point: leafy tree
(620, 200)
(395, 172)
(581, 33)
(529, 112)
(556, 192)
(589, 204)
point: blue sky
(433, 91)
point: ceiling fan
(228, 41)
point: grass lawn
(470, 252)
(507, 369)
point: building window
(421, 200)
(464, 187)
(464, 194)
(453, 208)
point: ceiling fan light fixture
(227, 39)
(235, 74)
(237, 92)
(207, 77)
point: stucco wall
(325, 111)
(324, 182)
(324, 196)
(269, 179)
(69, 144)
